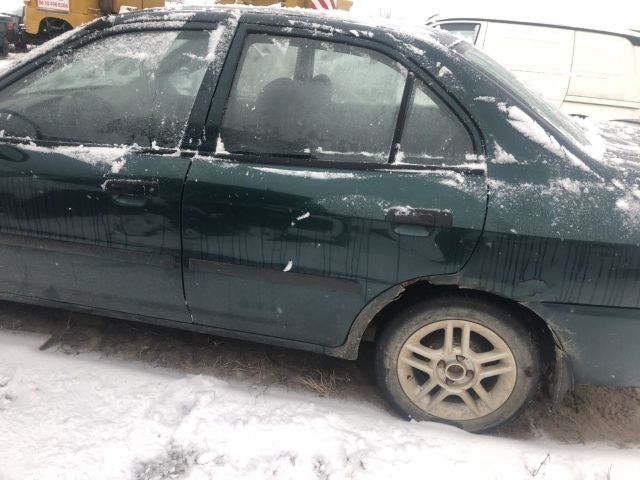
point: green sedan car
(316, 182)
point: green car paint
(289, 253)
(330, 227)
(65, 238)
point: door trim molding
(275, 276)
(76, 248)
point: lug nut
(460, 358)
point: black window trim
(133, 149)
(310, 162)
(414, 71)
(401, 120)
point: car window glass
(358, 78)
(135, 88)
(466, 31)
(432, 135)
(296, 96)
(263, 63)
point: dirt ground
(590, 414)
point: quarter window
(432, 135)
(134, 88)
(305, 97)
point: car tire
(460, 361)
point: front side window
(297, 96)
(432, 135)
(130, 89)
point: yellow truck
(44, 19)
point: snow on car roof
(316, 17)
(337, 21)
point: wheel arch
(56, 20)
(557, 370)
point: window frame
(198, 112)
(232, 67)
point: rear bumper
(602, 343)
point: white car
(585, 72)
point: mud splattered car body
(267, 226)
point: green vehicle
(306, 180)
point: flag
(324, 4)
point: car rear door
(90, 174)
(333, 173)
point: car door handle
(131, 192)
(419, 216)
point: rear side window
(432, 135)
(298, 96)
(134, 88)
(466, 31)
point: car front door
(90, 174)
(334, 174)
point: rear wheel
(459, 361)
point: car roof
(283, 16)
(415, 40)
(272, 12)
(630, 33)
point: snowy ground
(7, 61)
(98, 402)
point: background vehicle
(45, 19)
(14, 30)
(6, 23)
(585, 72)
(314, 184)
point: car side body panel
(64, 237)
(297, 252)
(602, 342)
(561, 237)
